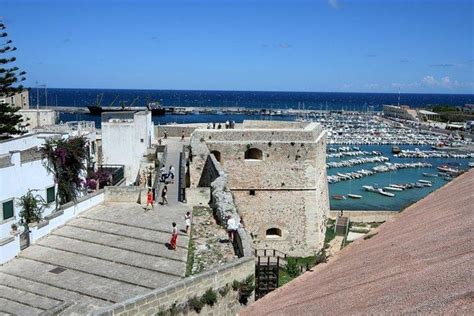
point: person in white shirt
(187, 221)
(171, 173)
(232, 227)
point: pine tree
(10, 79)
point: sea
(280, 100)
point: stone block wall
(176, 130)
(180, 292)
(125, 194)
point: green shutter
(50, 195)
(8, 210)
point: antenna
(398, 96)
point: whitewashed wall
(125, 142)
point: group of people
(227, 125)
(174, 231)
(167, 174)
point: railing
(182, 178)
(116, 172)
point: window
(253, 153)
(216, 154)
(252, 192)
(8, 210)
(50, 195)
(273, 233)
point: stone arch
(217, 154)
(273, 233)
(254, 153)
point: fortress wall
(283, 165)
(290, 184)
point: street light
(37, 101)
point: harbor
(364, 149)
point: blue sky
(319, 45)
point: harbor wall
(365, 216)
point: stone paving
(108, 254)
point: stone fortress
(276, 173)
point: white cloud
(445, 82)
(372, 86)
(429, 80)
(335, 4)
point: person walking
(165, 134)
(232, 227)
(174, 236)
(149, 200)
(164, 196)
(182, 136)
(171, 173)
(163, 174)
(187, 222)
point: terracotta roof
(420, 261)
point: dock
(185, 110)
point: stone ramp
(123, 242)
(108, 254)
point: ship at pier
(154, 107)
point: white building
(20, 100)
(402, 112)
(22, 169)
(37, 118)
(125, 139)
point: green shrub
(196, 304)
(209, 298)
(246, 289)
(292, 268)
(235, 285)
(321, 257)
(225, 290)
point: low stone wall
(222, 202)
(175, 130)
(65, 213)
(179, 293)
(365, 216)
(125, 194)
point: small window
(253, 153)
(252, 192)
(50, 195)
(273, 233)
(8, 210)
(216, 154)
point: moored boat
(385, 193)
(424, 181)
(338, 197)
(354, 196)
(392, 188)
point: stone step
(133, 232)
(69, 285)
(121, 242)
(158, 264)
(47, 291)
(28, 298)
(133, 215)
(111, 270)
(13, 308)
